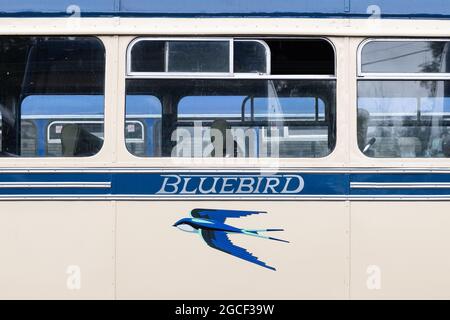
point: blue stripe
(141, 184)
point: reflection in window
(198, 56)
(29, 139)
(236, 118)
(404, 119)
(406, 57)
(149, 56)
(250, 56)
(143, 125)
(43, 79)
(209, 56)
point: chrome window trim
(231, 75)
(238, 76)
(405, 77)
(397, 75)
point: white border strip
(54, 185)
(225, 170)
(222, 198)
(400, 185)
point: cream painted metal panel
(409, 245)
(158, 261)
(39, 241)
(227, 26)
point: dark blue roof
(438, 9)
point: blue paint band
(225, 185)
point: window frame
(129, 74)
(397, 75)
(105, 46)
(235, 76)
(394, 76)
(268, 56)
(138, 74)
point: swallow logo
(210, 225)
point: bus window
(181, 56)
(300, 125)
(249, 113)
(408, 116)
(49, 78)
(407, 57)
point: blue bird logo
(210, 225)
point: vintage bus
(304, 147)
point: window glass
(404, 119)
(1, 132)
(149, 56)
(28, 140)
(236, 118)
(199, 56)
(250, 56)
(301, 57)
(406, 57)
(143, 125)
(292, 108)
(287, 56)
(43, 79)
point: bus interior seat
(386, 147)
(363, 125)
(78, 142)
(409, 147)
(223, 128)
(306, 149)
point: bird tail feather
(257, 233)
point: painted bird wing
(219, 240)
(221, 215)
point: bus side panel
(400, 250)
(157, 261)
(56, 250)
